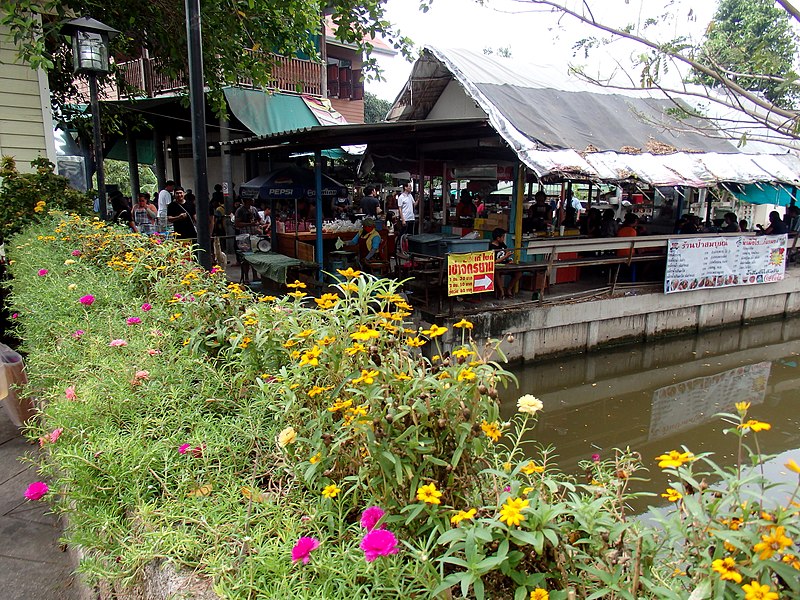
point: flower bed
(304, 447)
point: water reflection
(659, 396)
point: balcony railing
(288, 75)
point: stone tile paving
(33, 565)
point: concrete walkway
(33, 565)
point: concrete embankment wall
(576, 327)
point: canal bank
(576, 325)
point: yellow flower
(540, 594)
(511, 511)
(267, 299)
(771, 543)
(72, 286)
(674, 459)
(463, 324)
(287, 437)
(349, 287)
(791, 559)
(726, 567)
(245, 342)
(331, 491)
(466, 375)
(443, 375)
(672, 495)
(529, 404)
(462, 353)
(364, 334)
(402, 377)
(298, 285)
(175, 317)
(755, 591)
(755, 426)
(326, 341)
(491, 430)
(463, 515)
(355, 349)
(290, 343)
(531, 467)
(317, 390)
(311, 357)
(340, 405)
(742, 407)
(305, 333)
(416, 342)
(526, 490)
(315, 459)
(367, 377)
(349, 272)
(69, 261)
(434, 331)
(428, 493)
(297, 295)
(792, 466)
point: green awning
(145, 151)
(264, 113)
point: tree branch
(787, 6)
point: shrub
(304, 447)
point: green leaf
(450, 536)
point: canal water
(663, 395)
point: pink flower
(78, 334)
(133, 320)
(303, 548)
(42, 272)
(146, 306)
(378, 542)
(215, 270)
(371, 516)
(86, 300)
(76, 253)
(117, 343)
(595, 457)
(15, 315)
(36, 490)
(153, 351)
(197, 451)
(70, 393)
(142, 375)
(184, 448)
(55, 434)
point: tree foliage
(750, 113)
(752, 42)
(240, 37)
(375, 108)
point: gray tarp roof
(558, 124)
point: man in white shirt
(405, 206)
(164, 199)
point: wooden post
(517, 210)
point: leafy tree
(375, 108)
(752, 42)
(117, 173)
(240, 37)
(775, 119)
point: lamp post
(90, 56)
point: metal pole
(133, 166)
(98, 146)
(161, 169)
(318, 178)
(227, 181)
(199, 145)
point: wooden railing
(288, 75)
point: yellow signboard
(470, 273)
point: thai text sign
(715, 262)
(470, 273)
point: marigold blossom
(792, 466)
(531, 467)
(86, 300)
(540, 594)
(755, 426)
(117, 343)
(429, 494)
(36, 490)
(492, 431)
(371, 516)
(756, 591)
(529, 404)
(672, 495)
(726, 567)
(674, 459)
(463, 324)
(774, 541)
(303, 548)
(378, 542)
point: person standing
(406, 205)
(370, 205)
(144, 214)
(181, 214)
(164, 200)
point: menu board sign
(715, 262)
